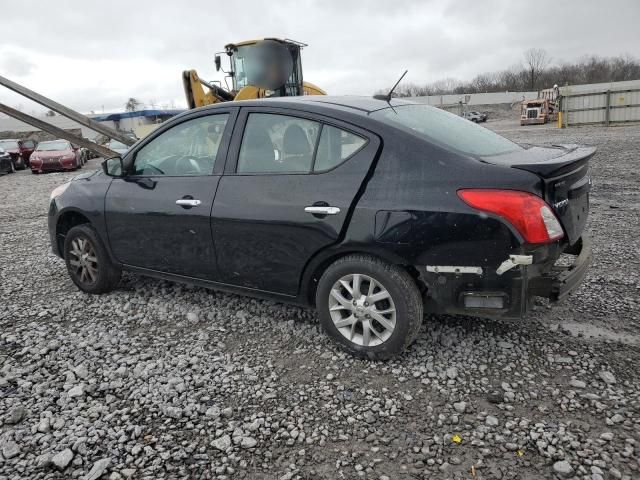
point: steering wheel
(188, 166)
(155, 169)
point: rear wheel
(22, 163)
(88, 262)
(371, 308)
(12, 167)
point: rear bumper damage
(562, 280)
(508, 290)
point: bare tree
(132, 104)
(535, 60)
(517, 78)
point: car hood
(86, 175)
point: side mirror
(113, 167)
(218, 63)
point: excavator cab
(271, 64)
(258, 68)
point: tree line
(534, 73)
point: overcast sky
(89, 55)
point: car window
(116, 144)
(335, 147)
(27, 144)
(189, 148)
(446, 129)
(54, 145)
(274, 143)
(8, 144)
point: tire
(403, 307)
(12, 167)
(100, 274)
(35, 172)
(23, 164)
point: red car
(20, 151)
(55, 155)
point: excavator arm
(197, 96)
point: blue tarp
(137, 113)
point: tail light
(528, 213)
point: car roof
(352, 103)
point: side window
(274, 143)
(27, 144)
(335, 147)
(189, 148)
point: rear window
(8, 144)
(446, 130)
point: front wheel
(88, 262)
(370, 308)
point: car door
(285, 195)
(26, 149)
(158, 216)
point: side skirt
(251, 292)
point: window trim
(346, 159)
(241, 123)
(221, 155)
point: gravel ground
(160, 380)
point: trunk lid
(564, 172)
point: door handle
(188, 202)
(321, 210)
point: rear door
(158, 217)
(286, 194)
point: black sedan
(6, 164)
(372, 211)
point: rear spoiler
(574, 157)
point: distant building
(139, 122)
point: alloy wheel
(362, 310)
(84, 262)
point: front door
(158, 216)
(286, 196)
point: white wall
(477, 98)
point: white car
(475, 117)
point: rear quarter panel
(418, 182)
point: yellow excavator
(270, 67)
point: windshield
(446, 130)
(56, 145)
(8, 144)
(113, 144)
